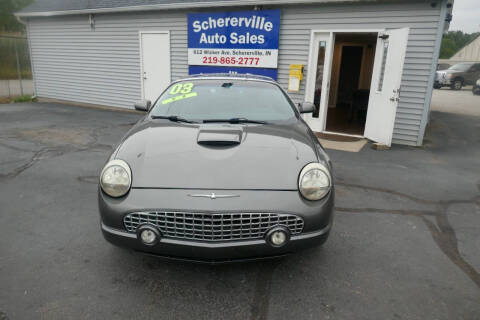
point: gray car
(457, 76)
(476, 88)
(221, 168)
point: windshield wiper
(234, 120)
(173, 118)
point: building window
(382, 69)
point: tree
(448, 48)
(453, 41)
(8, 22)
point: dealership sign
(241, 42)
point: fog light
(149, 235)
(278, 236)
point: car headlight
(314, 181)
(116, 178)
(478, 82)
(450, 75)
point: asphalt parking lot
(405, 243)
(458, 102)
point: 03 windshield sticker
(180, 91)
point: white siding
(102, 66)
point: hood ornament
(214, 196)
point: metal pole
(18, 66)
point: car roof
(243, 76)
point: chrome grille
(213, 226)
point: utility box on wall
(294, 77)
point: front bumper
(215, 252)
(476, 89)
(317, 216)
(443, 82)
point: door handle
(397, 95)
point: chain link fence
(15, 69)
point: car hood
(166, 154)
(448, 71)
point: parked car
(222, 167)
(457, 76)
(476, 88)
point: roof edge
(185, 5)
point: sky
(466, 16)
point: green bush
(25, 98)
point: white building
(369, 65)
(469, 53)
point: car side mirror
(143, 105)
(306, 107)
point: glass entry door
(319, 78)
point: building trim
(186, 5)
(428, 97)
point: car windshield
(461, 67)
(224, 99)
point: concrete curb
(88, 105)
